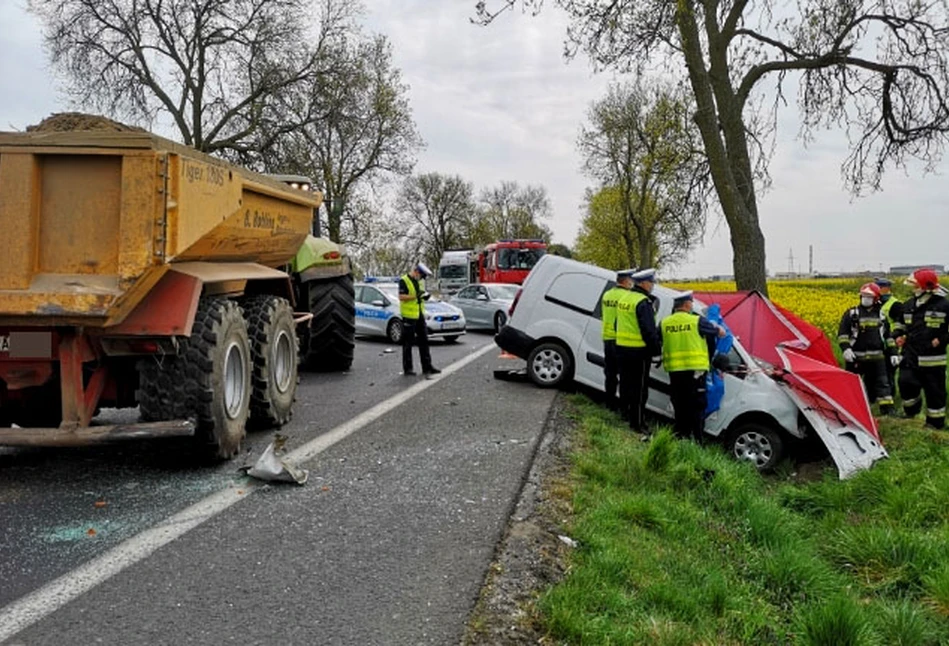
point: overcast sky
(500, 103)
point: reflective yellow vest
(412, 309)
(608, 307)
(628, 334)
(683, 348)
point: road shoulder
(531, 556)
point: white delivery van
(555, 325)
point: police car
(377, 313)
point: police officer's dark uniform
(608, 315)
(865, 341)
(637, 341)
(926, 334)
(687, 342)
(414, 329)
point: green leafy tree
(509, 211)
(559, 249)
(640, 143)
(600, 240)
(877, 69)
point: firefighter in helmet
(864, 339)
(923, 341)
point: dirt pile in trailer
(72, 121)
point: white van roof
(550, 263)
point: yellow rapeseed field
(821, 301)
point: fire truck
(508, 261)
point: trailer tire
(154, 401)
(332, 334)
(273, 344)
(214, 366)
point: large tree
(357, 127)
(877, 68)
(212, 68)
(436, 209)
(600, 238)
(510, 211)
(640, 142)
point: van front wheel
(757, 443)
(548, 365)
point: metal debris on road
(271, 467)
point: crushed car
(780, 377)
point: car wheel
(548, 365)
(500, 320)
(451, 339)
(394, 331)
(757, 443)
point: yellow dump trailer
(136, 271)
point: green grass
(680, 544)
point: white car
(377, 314)
(486, 305)
(556, 326)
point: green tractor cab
(323, 281)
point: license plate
(451, 325)
(4, 343)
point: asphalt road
(387, 543)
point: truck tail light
(331, 255)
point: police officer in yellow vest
(412, 296)
(637, 341)
(687, 343)
(624, 281)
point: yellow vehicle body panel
(90, 221)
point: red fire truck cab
(509, 261)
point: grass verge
(680, 544)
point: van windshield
(452, 271)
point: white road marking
(29, 609)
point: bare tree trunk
(736, 194)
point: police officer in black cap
(637, 342)
(624, 281)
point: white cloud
(499, 103)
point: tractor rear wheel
(332, 335)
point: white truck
(454, 270)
